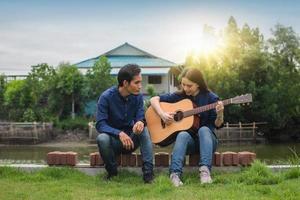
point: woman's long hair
(195, 75)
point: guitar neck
(204, 108)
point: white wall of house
(159, 88)
(172, 83)
(166, 85)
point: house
(155, 70)
(13, 74)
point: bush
(260, 174)
(80, 123)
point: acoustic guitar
(184, 118)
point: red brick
(162, 159)
(244, 158)
(57, 158)
(93, 159)
(98, 159)
(227, 158)
(194, 159)
(51, 157)
(125, 159)
(217, 159)
(118, 160)
(132, 160)
(252, 157)
(63, 158)
(71, 158)
(139, 160)
(235, 159)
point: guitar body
(160, 132)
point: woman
(193, 87)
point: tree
(285, 61)
(39, 81)
(66, 91)
(2, 90)
(98, 78)
(16, 99)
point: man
(120, 122)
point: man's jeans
(185, 145)
(111, 146)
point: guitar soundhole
(178, 116)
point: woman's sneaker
(175, 179)
(205, 175)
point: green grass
(256, 182)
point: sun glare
(208, 45)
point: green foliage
(98, 78)
(66, 90)
(151, 90)
(16, 99)
(259, 173)
(29, 115)
(72, 124)
(246, 63)
(3, 111)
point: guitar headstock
(245, 98)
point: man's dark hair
(127, 73)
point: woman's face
(190, 88)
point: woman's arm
(167, 117)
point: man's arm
(102, 125)
(139, 120)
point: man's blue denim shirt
(116, 113)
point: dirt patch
(67, 138)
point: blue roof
(126, 54)
(120, 61)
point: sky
(54, 31)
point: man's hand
(138, 127)
(126, 141)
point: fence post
(90, 130)
(254, 134)
(11, 130)
(240, 126)
(227, 132)
(35, 131)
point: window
(154, 79)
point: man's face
(135, 85)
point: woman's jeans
(110, 146)
(185, 144)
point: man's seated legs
(108, 147)
(146, 149)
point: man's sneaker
(175, 179)
(148, 177)
(205, 175)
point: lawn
(256, 182)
